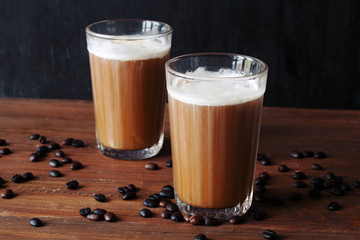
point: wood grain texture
(283, 130)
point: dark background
(312, 47)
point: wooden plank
(335, 132)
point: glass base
(132, 154)
(221, 214)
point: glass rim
(126, 37)
(227, 78)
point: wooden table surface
(336, 132)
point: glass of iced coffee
(215, 104)
(127, 60)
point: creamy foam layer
(128, 49)
(214, 92)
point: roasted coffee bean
(1, 181)
(145, 213)
(177, 217)
(166, 214)
(261, 197)
(275, 201)
(296, 154)
(76, 165)
(167, 194)
(95, 217)
(34, 137)
(77, 143)
(55, 173)
(168, 188)
(264, 175)
(197, 220)
(295, 196)
(337, 180)
(59, 153)
(163, 202)
(186, 217)
(72, 184)
(308, 154)
(99, 211)
(329, 175)
(260, 188)
(54, 163)
(34, 157)
(42, 139)
(333, 206)
(67, 141)
(317, 180)
(236, 220)
(314, 193)
(110, 217)
(127, 189)
(300, 184)
(345, 187)
(172, 207)
(28, 176)
(269, 234)
(319, 155)
(121, 190)
(337, 191)
(317, 186)
(200, 236)
(84, 211)
(151, 166)
(283, 168)
(357, 184)
(151, 203)
(66, 160)
(35, 222)
(2, 142)
(316, 166)
(7, 194)
(17, 178)
(54, 146)
(5, 151)
(129, 195)
(265, 161)
(132, 187)
(43, 149)
(100, 197)
(168, 164)
(299, 176)
(210, 221)
(155, 196)
(260, 156)
(328, 185)
(259, 181)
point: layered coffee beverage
(215, 124)
(128, 84)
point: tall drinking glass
(215, 105)
(127, 60)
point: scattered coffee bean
(275, 201)
(42, 149)
(337, 180)
(167, 194)
(34, 157)
(328, 185)
(35, 222)
(59, 153)
(2, 142)
(132, 187)
(269, 234)
(197, 220)
(300, 184)
(84, 211)
(314, 193)
(260, 188)
(329, 175)
(151, 203)
(319, 155)
(283, 168)
(337, 191)
(163, 202)
(186, 217)
(55, 173)
(100, 197)
(261, 197)
(345, 187)
(54, 146)
(166, 214)
(67, 141)
(95, 217)
(72, 184)
(210, 221)
(357, 184)
(295, 196)
(168, 188)
(28, 176)
(110, 217)
(172, 207)
(5, 151)
(259, 181)
(126, 189)
(17, 178)
(77, 143)
(260, 156)
(54, 163)
(236, 220)
(333, 206)
(99, 211)
(200, 237)
(264, 175)
(308, 154)
(151, 166)
(317, 185)
(42, 139)
(7, 194)
(155, 196)
(145, 213)
(316, 166)
(265, 161)
(299, 176)
(34, 137)
(177, 217)
(76, 165)
(129, 195)
(66, 160)
(168, 164)
(296, 154)
(121, 190)
(1, 181)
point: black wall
(312, 47)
